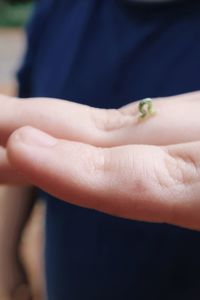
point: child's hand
(138, 182)
(100, 169)
(176, 121)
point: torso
(105, 53)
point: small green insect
(146, 108)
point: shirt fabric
(107, 53)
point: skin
(105, 159)
(14, 211)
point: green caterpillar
(146, 108)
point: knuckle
(182, 169)
(109, 119)
(97, 165)
(94, 163)
(102, 168)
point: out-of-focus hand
(15, 205)
(13, 285)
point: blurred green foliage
(14, 13)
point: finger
(175, 121)
(63, 119)
(105, 128)
(146, 183)
(8, 175)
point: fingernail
(35, 137)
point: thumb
(139, 182)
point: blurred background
(13, 17)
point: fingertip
(14, 147)
(31, 136)
(23, 142)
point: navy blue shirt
(106, 53)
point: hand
(15, 205)
(177, 121)
(13, 285)
(139, 182)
